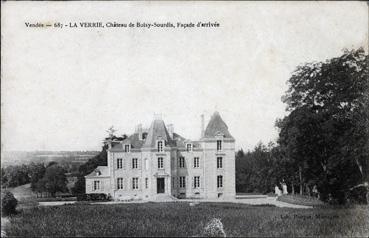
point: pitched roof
(133, 140)
(215, 126)
(103, 170)
(157, 131)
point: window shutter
(201, 181)
(92, 185)
(123, 163)
(102, 185)
(193, 182)
(139, 163)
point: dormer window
(189, 147)
(219, 145)
(160, 145)
(127, 148)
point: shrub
(93, 197)
(8, 203)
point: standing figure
(284, 188)
(277, 191)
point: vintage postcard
(184, 118)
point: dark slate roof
(158, 130)
(215, 126)
(179, 140)
(104, 171)
(132, 140)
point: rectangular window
(182, 182)
(189, 147)
(196, 162)
(126, 148)
(146, 183)
(219, 162)
(134, 163)
(119, 163)
(119, 183)
(196, 181)
(160, 146)
(219, 145)
(134, 183)
(220, 181)
(160, 163)
(146, 164)
(181, 162)
(96, 185)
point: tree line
(45, 180)
(324, 140)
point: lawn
(301, 200)
(181, 219)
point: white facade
(162, 162)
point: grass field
(181, 219)
(301, 200)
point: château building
(159, 161)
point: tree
(8, 203)
(325, 137)
(54, 180)
(256, 170)
(36, 173)
(14, 176)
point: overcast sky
(62, 88)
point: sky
(61, 89)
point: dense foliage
(88, 167)
(54, 180)
(325, 137)
(14, 175)
(8, 203)
(255, 170)
(324, 140)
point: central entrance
(160, 185)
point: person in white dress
(277, 191)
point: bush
(93, 197)
(8, 203)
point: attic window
(98, 173)
(127, 148)
(189, 147)
(219, 145)
(144, 135)
(160, 146)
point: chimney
(202, 126)
(170, 130)
(139, 131)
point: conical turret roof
(157, 131)
(217, 126)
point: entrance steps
(163, 198)
(250, 196)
